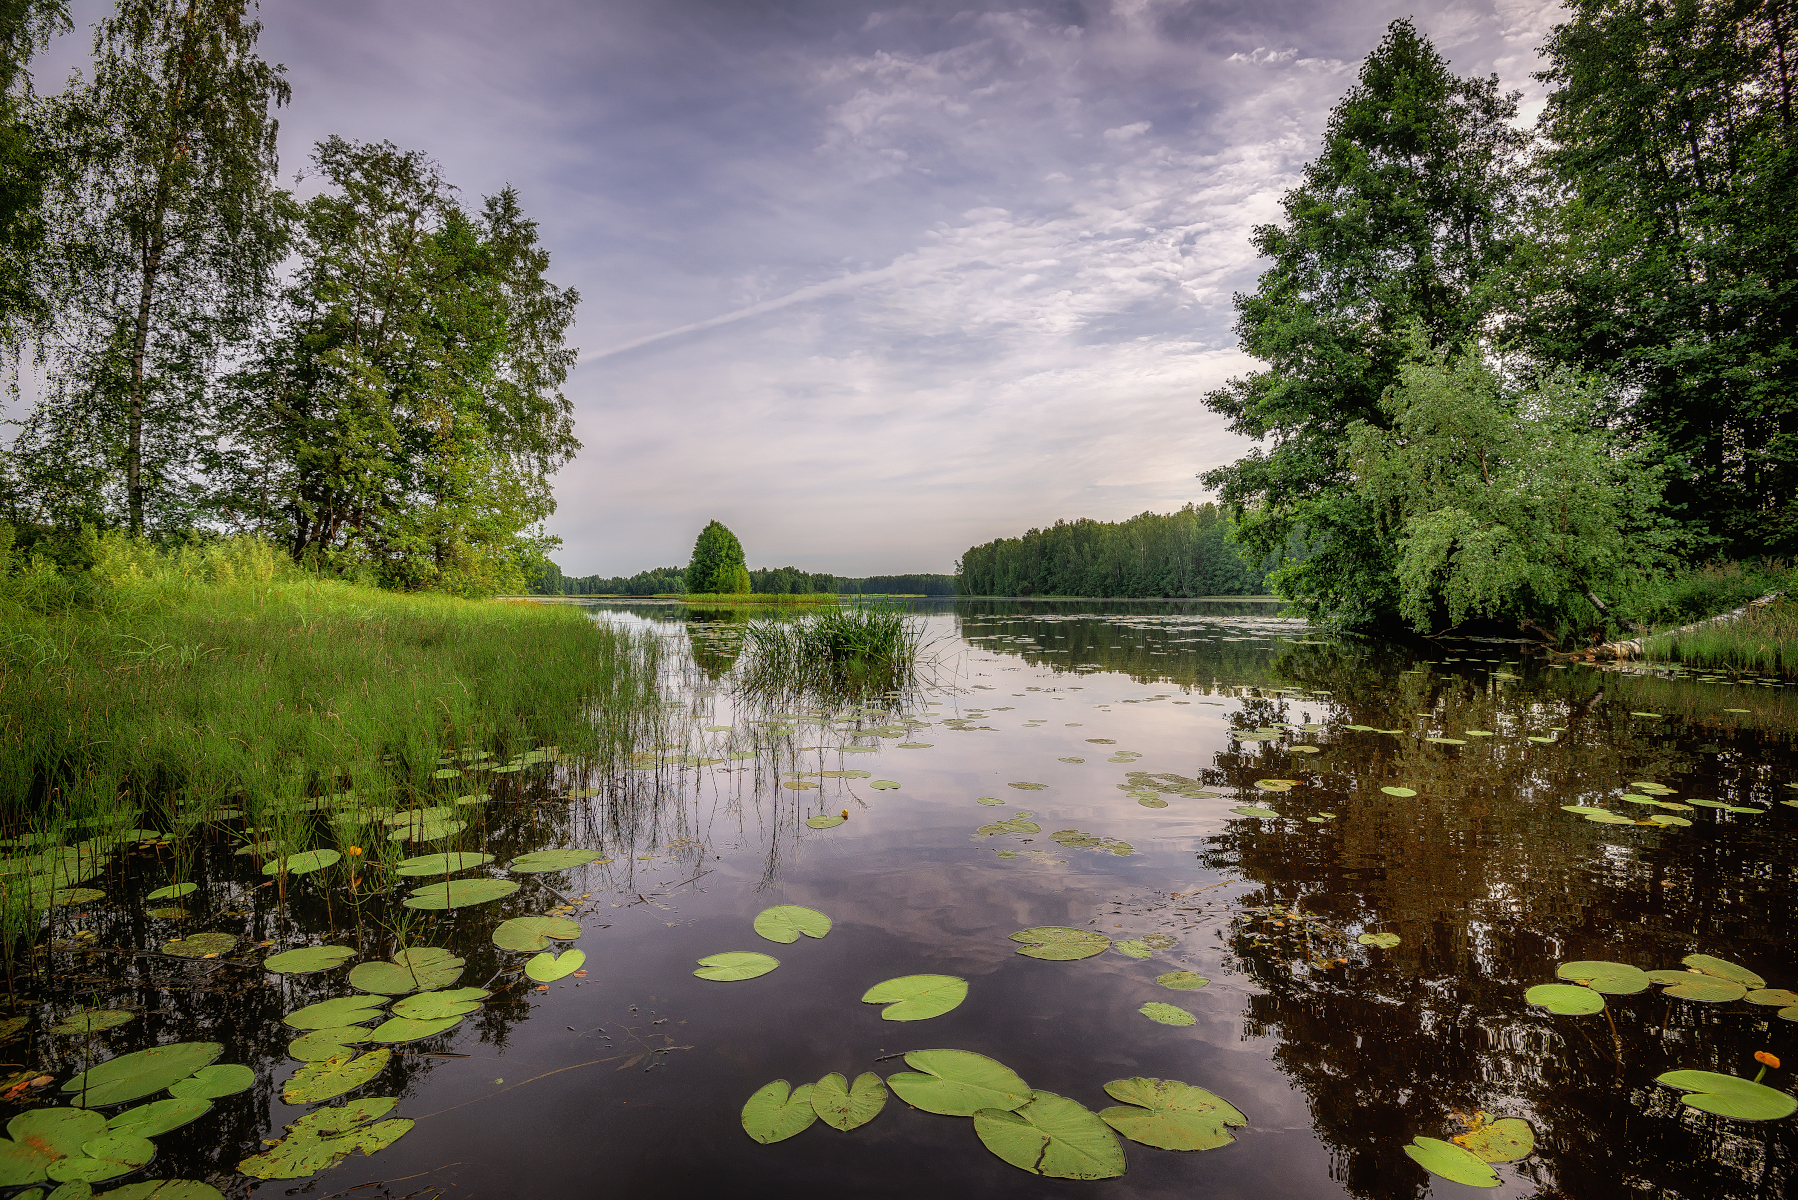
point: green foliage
(1684, 595)
(1518, 507)
(1761, 640)
(26, 26)
(717, 564)
(1187, 553)
(1399, 223)
(657, 581)
(870, 647)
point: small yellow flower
(1766, 1059)
(355, 851)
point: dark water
(630, 1080)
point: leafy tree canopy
(717, 564)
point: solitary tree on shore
(717, 562)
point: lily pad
(133, 1076)
(1134, 948)
(40, 1137)
(66, 896)
(1398, 791)
(785, 922)
(434, 1006)
(92, 1021)
(1730, 1096)
(1507, 1139)
(302, 864)
(1170, 1115)
(989, 801)
(159, 1116)
(440, 864)
(825, 821)
(323, 1137)
(958, 1083)
(214, 1082)
(1384, 941)
(551, 860)
(1706, 989)
(549, 966)
(1052, 1136)
(917, 997)
(1184, 981)
(773, 1114)
(316, 1081)
(1252, 810)
(530, 934)
(1167, 1014)
(338, 1041)
(1454, 1163)
(1059, 943)
(884, 785)
(164, 1189)
(733, 965)
(200, 945)
(1611, 978)
(842, 1105)
(419, 969)
(341, 1010)
(1565, 999)
(107, 1156)
(1774, 997)
(410, 1029)
(308, 959)
(460, 893)
(173, 891)
(1724, 969)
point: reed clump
(1759, 640)
(862, 649)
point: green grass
(839, 654)
(1761, 640)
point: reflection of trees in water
(1491, 886)
(1150, 653)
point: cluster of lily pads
(1660, 798)
(1469, 1156)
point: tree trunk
(140, 337)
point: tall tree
(1399, 223)
(717, 564)
(25, 27)
(1669, 258)
(168, 236)
(403, 412)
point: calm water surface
(629, 1081)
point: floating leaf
(440, 864)
(159, 1116)
(214, 1082)
(1775, 997)
(323, 1137)
(841, 1105)
(530, 934)
(342, 1010)
(459, 893)
(1170, 1115)
(411, 1029)
(736, 964)
(548, 966)
(200, 945)
(1565, 999)
(1058, 943)
(989, 801)
(133, 1076)
(337, 1041)
(917, 997)
(1167, 1014)
(93, 1021)
(1398, 791)
(1454, 1163)
(1723, 969)
(1052, 1136)
(773, 1115)
(1384, 941)
(330, 1077)
(1184, 981)
(302, 864)
(308, 959)
(1134, 947)
(1028, 787)
(163, 1189)
(551, 860)
(958, 1083)
(107, 1156)
(41, 1137)
(420, 969)
(1251, 810)
(884, 785)
(1505, 1140)
(433, 1006)
(785, 922)
(1706, 989)
(1730, 1096)
(1611, 978)
(825, 821)
(67, 896)
(173, 891)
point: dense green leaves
(717, 564)
(1185, 553)
(917, 997)
(323, 1137)
(1053, 1136)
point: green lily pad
(1454, 1163)
(1398, 791)
(440, 864)
(214, 1082)
(548, 966)
(1167, 1014)
(1611, 978)
(159, 1116)
(844, 1106)
(785, 922)
(1773, 997)
(66, 896)
(432, 1006)
(1564, 999)
(411, 1029)
(551, 860)
(1507, 1139)
(1253, 810)
(530, 934)
(307, 959)
(1706, 989)
(1170, 1115)
(460, 893)
(1059, 943)
(163, 1189)
(200, 945)
(884, 785)
(1052, 1136)
(133, 1076)
(316, 1081)
(92, 1021)
(990, 801)
(1724, 969)
(303, 864)
(340, 1010)
(40, 1137)
(173, 891)
(1730, 1096)
(1134, 948)
(733, 965)
(1184, 981)
(107, 1156)
(420, 969)
(825, 821)
(337, 1041)
(773, 1114)
(958, 1083)
(917, 997)
(1384, 941)
(325, 1136)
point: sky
(871, 282)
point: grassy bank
(1760, 640)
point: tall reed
(1759, 640)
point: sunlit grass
(1760, 640)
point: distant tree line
(1186, 553)
(777, 581)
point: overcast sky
(870, 282)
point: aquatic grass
(860, 649)
(1759, 640)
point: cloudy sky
(872, 282)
